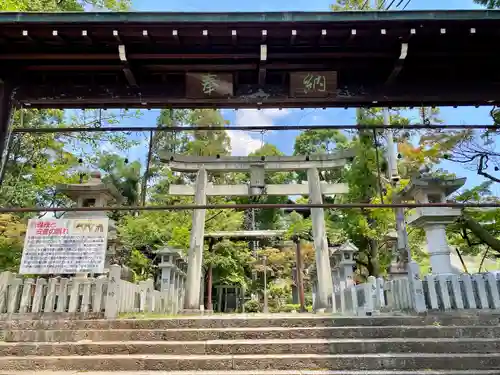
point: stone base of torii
(257, 166)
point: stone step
(265, 372)
(224, 347)
(390, 361)
(254, 321)
(192, 334)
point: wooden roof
(290, 59)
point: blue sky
(244, 142)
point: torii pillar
(257, 166)
(196, 242)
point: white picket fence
(445, 292)
(107, 295)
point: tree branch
(483, 163)
(361, 263)
(480, 233)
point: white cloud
(264, 117)
(244, 143)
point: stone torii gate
(257, 166)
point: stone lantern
(396, 269)
(343, 259)
(428, 189)
(94, 193)
(173, 273)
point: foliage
(477, 231)
(347, 5)
(63, 5)
(490, 4)
(12, 231)
(37, 163)
(253, 306)
(299, 227)
(140, 265)
(122, 175)
(230, 262)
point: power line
(184, 207)
(390, 5)
(407, 3)
(177, 129)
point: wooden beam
(72, 68)
(58, 56)
(57, 94)
(399, 64)
(234, 37)
(263, 36)
(116, 35)
(283, 67)
(57, 37)
(26, 36)
(352, 35)
(86, 37)
(262, 64)
(175, 35)
(126, 67)
(196, 56)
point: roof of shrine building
(291, 59)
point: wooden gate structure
(237, 60)
(246, 60)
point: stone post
(439, 251)
(325, 284)
(195, 255)
(111, 304)
(174, 290)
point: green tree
(477, 230)
(270, 218)
(490, 4)
(208, 143)
(63, 5)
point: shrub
(253, 306)
(290, 307)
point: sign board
(313, 84)
(209, 85)
(64, 246)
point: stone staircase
(293, 344)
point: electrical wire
(184, 207)
(407, 3)
(177, 129)
(390, 5)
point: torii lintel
(184, 163)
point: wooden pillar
(219, 296)
(6, 111)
